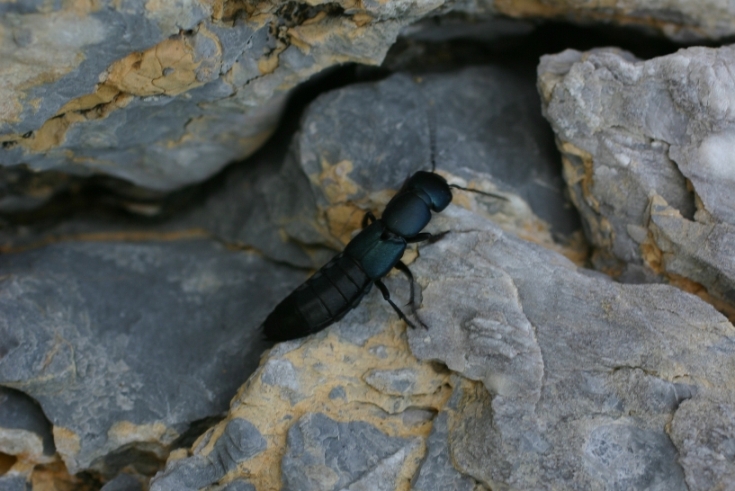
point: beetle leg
(401, 266)
(368, 219)
(426, 236)
(386, 295)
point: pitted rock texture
(582, 376)
(645, 147)
(239, 441)
(124, 345)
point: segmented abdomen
(323, 299)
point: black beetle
(340, 285)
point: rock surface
(24, 430)
(177, 283)
(125, 345)
(678, 19)
(327, 424)
(316, 193)
(583, 375)
(584, 383)
(475, 144)
(133, 334)
(644, 155)
(165, 93)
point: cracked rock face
(645, 155)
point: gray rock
(239, 485)
(702, 252)
(164, 94)
(475, 137)
(323, 454)
(437, 472)
(14, 482)
(286, 195)
(125, 344)
(622, 455)
(644, 152)
(123, 482)
(348, 176)
(581, 375)
(704, 432)
(24, 430)
(239, 442)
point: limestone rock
(317, 192)
(704, 431)
(644, 154)
(165, 93)
(581, 376)
(239, 441)
(348, 175)
(580, 379)
(131, 422)
(324, 454)
(24, 430)
(125, 345)
(327, 424)
(437, 471)
(14, 482)
(123, 482)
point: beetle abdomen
(323, 299)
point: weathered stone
(701, 252)
(316, 193)
(165, 93)
(123, 482)
(125, 345)
(24, 430)
(437, 472)
(14, 482)
(325, 426)
(581, 376)
(704, 432)
(645, 155)
(323, 454)
(239, 441)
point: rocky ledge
(578, 320)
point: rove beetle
(340, 285)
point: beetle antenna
(485, 193)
